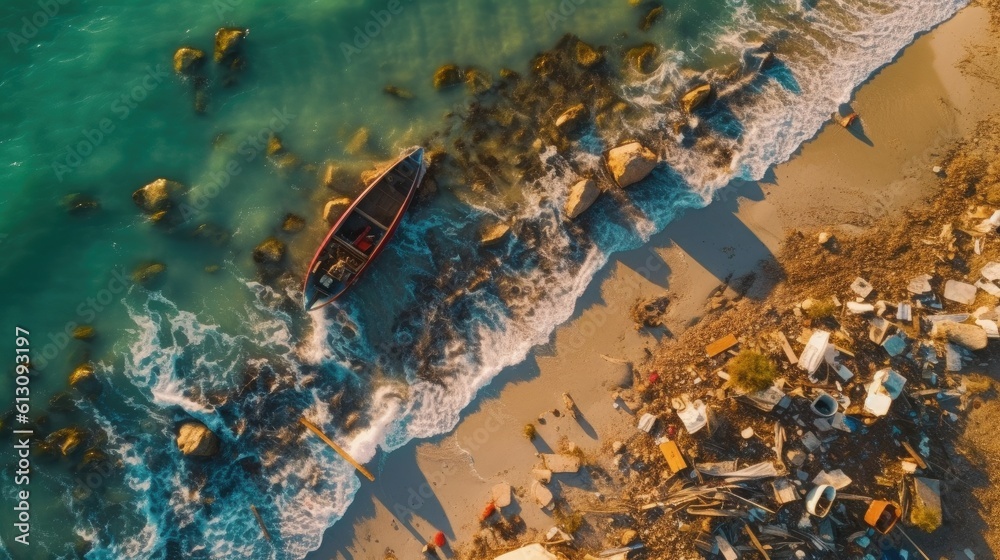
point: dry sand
(910, 112)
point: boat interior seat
(364, 241)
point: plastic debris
(960, 292)
(860, 308)
(904, 311)
(814, 351)
(767, 399)
(835, 478)
(721, 345)
(820, 499)
(992, 331)
(988, 287)
(725, 549)
(920, 285)
(672, 453)
(647, 422)
(695, 416)
(811, 442)
(844, 373)
(728, 470)
(885, 388)
(861, 287)
(530, 552)
(784, 491)
(824, 405)
(747, 433)
(895, 344)
(989, 224)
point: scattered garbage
(647, 422)
(721, 345)
(530, 552)
(920, 285)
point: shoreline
(838, 180)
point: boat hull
(363, 231)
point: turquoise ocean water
(90, 106)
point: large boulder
(494, 234)
(447, 76)
(188, 60)
(581, 196)
(696, 97)
(573, 119)
(156, 196)
(631, 163)
(228, 41)
(335, 208)
(194, 439)
(83, 377)
(149, 272)
(643, 57)
(972, 337)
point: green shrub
(752, 371)
(821, 309)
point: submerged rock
(573, 119)
(156, 196)
(358, 142)
(270, 251)
(228, 42)
(447, 76)
(67, 440)
(194, 439)
(293, 223)
(147, 273)
(696, 97)
(651, 17)
(77, 203)
(84, 332)
(188, 60)
(83, 377)
(398, 92)
(631, 163)
(334, 209)
(587, 56)
(329, 175)
(581, 196)
(477, 81)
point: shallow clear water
(431, 323)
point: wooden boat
(364, 229)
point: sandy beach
(843, 181)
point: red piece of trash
(488, 511)
(439, 540)
(654, 377)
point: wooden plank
(721, 345)
(672, 453)
(916, 456)
(789, 353)
(340, 451)
(260, 521)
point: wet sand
(840, 181)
